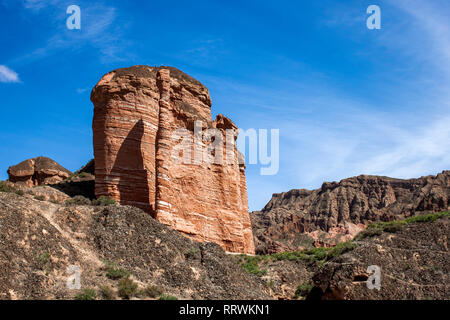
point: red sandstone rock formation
(138, 114)
(36, 171)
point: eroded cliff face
(339, 210)
(153, 150)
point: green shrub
(114, 272)
(340, 249)
(318, 255)
(250, 265)
(127, 288)
(167, 297)
(78, 201)
(377, 228)
(428, 217)
(82, 174)
(77, 174)
(193, 253)
(315, 254)
(106, 293)
(5, 188)
(153, 291)
(43, 260)
(303, 290)
(86, 294)
(103, 201)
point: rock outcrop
(339, 210)
(156, 148)
(36, 171)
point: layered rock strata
(155, 147)
(36, 171)
(339, 210)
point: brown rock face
(36, 171)
(339, 210)
(153, 150)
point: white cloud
(38, 4)
(8, 75)
(431, 18)
(82, 90)
(366, 143)
(99, 30)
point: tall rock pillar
(138, 113)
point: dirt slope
(40, 239)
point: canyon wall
(339, 210)
(153, 149)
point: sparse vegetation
(167, 297)
(83, 201)
(375, 229)
(83, 174)
(153, 291)
(251, 265)
(193, 253)
(4, 187)
(78, 201)
(114, 272)
(302, 290)
(318, 255)
(43, 260)
(86, 294)
(106, 293)
(103, 201)
(77, 175)
(127, 288)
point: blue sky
(347, 100)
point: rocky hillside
(413, 257)
(123, 253)
(339, 210)
(120, 250)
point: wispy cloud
(99, 30)
(8, 75)
(38, 4)
(432, 17)
(366, 143)
(82, 90)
